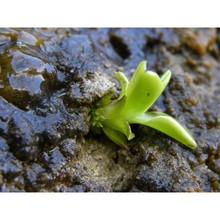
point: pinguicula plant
(114, 117)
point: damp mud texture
(50, 78)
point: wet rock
(32, 172)
(27, 38)
(93, 89)
(26, 83)
(77, 53)
(4, 39)
(24, 63)
(69, 147)
(56, 159)
(10, 167)
(24, 74)
(166, 173)
(199, 40)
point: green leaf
(165, 78)
(124, 83)
(168, 125)
(115, 136)
(104, 100)
(119, 124)
(143, 90)
(113, 109)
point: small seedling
(114, 117)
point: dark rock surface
(49, 78)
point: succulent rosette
(114, 117)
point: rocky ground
(50, 78)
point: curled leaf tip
(124, 83)
(143, 65)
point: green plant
(114, 117)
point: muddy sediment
(50, 78)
